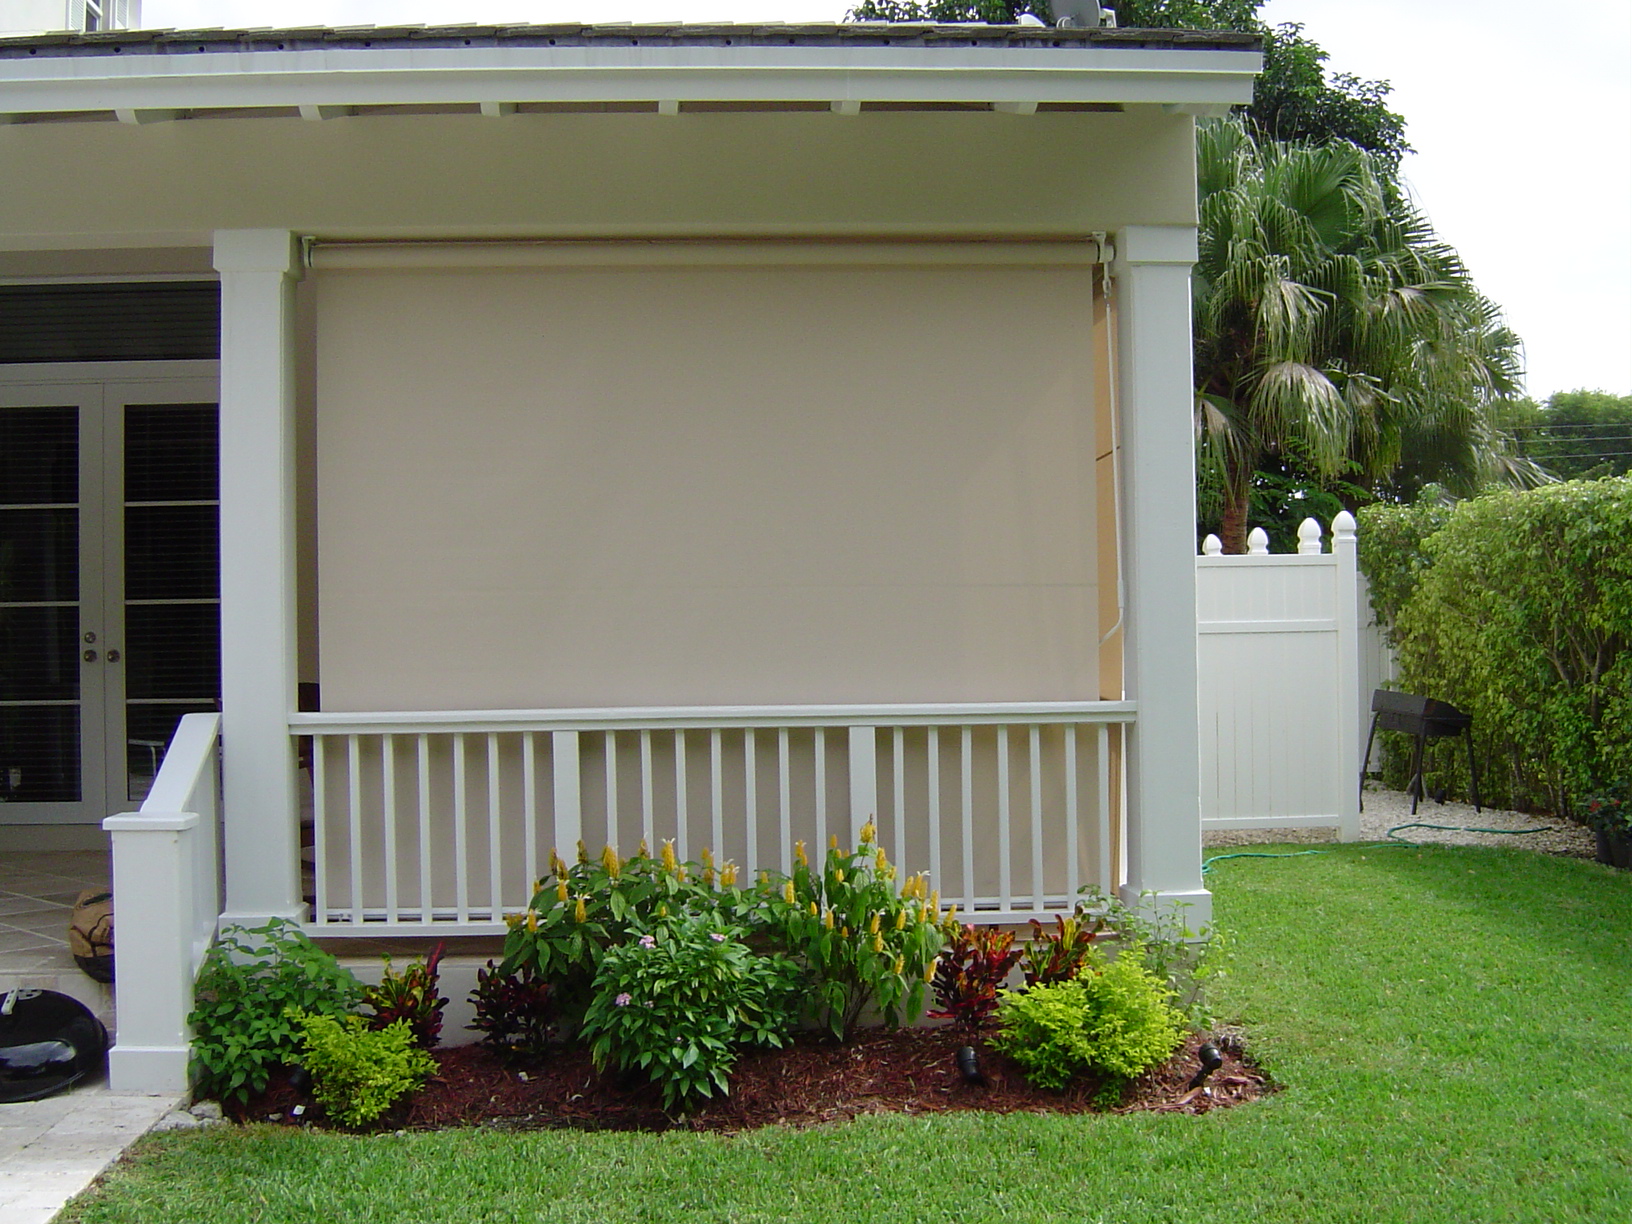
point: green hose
(1394, 841)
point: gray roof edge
(881, 34)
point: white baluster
(567, 788)
(388, 785)
(354, 846)
(494, 843)
(461, 831)
(863, 779)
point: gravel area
(1387, 809)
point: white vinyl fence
(1282, 700)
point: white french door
(109, 579)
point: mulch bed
(813, 1081)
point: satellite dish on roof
(1078, 14)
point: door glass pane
(174, 652)
(171, 552)
(172, 577)
(39, 754)
(39, 605)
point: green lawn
(1453, 1028)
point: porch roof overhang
(147, 76)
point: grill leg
(1416, 772)
(1473, 773)
(1365, 761)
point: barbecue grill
(1425, 719)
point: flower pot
(1615, 850)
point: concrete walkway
(50, 1150)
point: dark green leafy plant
(676, 1004)
(411, 997)
(862, 936)
(973, 967)
(359, 1072)
(250, 979)
(1114, 1020)
(514, 1011)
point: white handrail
(986, 713)
(189, 764)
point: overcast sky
(1522, 126)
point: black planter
(1615, 850)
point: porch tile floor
(50, 1150)
(37, 894)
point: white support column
(1158, 523)
(153, 877)
(258, 626)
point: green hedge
(1517, 608)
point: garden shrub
(862, 936)
(677, 1002)
(1057, 955)
(1114, 1020)
(410, 996)
(359, 1072)
(1523, 619)
(515, 1011)
(1393, 553)
(1159, 937)
(580, 912)
(973, 967)
(250, 980)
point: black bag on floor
(90, 934)
(48, 1042)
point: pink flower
(624, 999)
(648, 941)
(717, 938)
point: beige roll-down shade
(651, 485)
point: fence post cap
(1212, 546)
(1309, 536)
(1258, 543)
(1343, 526)
(150, 822)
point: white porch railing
(442, 821)
(167, 885)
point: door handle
(90, 656)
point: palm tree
(1329, 318)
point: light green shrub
(1115, 1019)
(1523, 619)
(247, 986)
(357, 1072)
